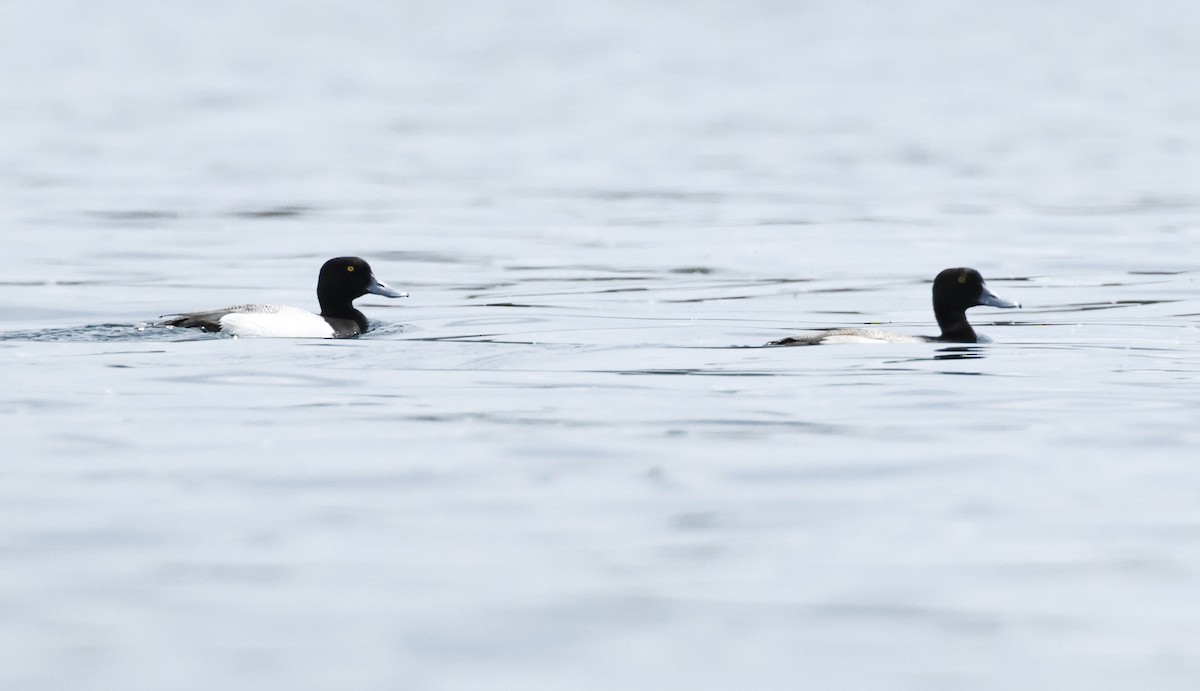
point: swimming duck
(954, 292)
(341, 281)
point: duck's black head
(342, 280)
(954, 292)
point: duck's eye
(351, 269)
(961, 279)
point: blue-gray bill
(378, 288)
(987, 297)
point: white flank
(868, 336)
(265, 321)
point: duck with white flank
(341, 281)
(954, 292)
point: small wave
(107, 333)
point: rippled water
(564, 462)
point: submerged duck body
(341, 281)
(954, 292)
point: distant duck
(341, 281)
(954, 292)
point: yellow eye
(351, 269)
(962, 279)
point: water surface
(564, 462)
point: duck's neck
(340, 309)
(955, 328)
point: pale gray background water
(548, 469)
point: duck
(341, 281)
(954, 292)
